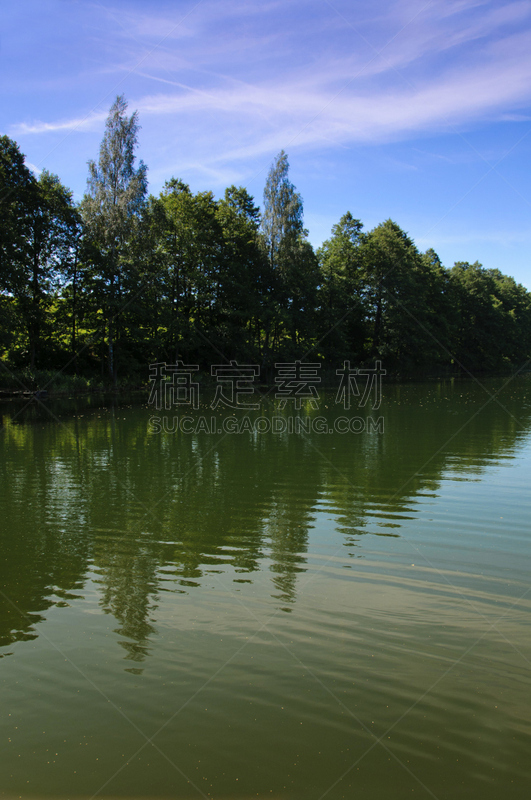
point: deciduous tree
(112, 211)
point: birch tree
(292, 263)
(112, 209)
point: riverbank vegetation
(102, 289)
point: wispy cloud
(334, 97)
(255, 78)
(222, 87)
(253, 120)
(36, 171)
(91, 122)
(352, 116)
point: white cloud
(297, 111)
(252, 120)
(33, 167)
(91, 122)
(433, 73)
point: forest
(100, 290)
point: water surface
(268, 615)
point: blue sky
(414, 110)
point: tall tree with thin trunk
(282, 217)
(112, 210)
(289, 255)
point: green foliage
(493, 329)
(17, 193)
(293, 273)
(341, 311)
(112, 212)
(126, 280)
(40, 229)
(242, 275)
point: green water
(268, 614)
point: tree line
(125, 279)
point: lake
(331, 612)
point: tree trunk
(34, 322)
(74, 311)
